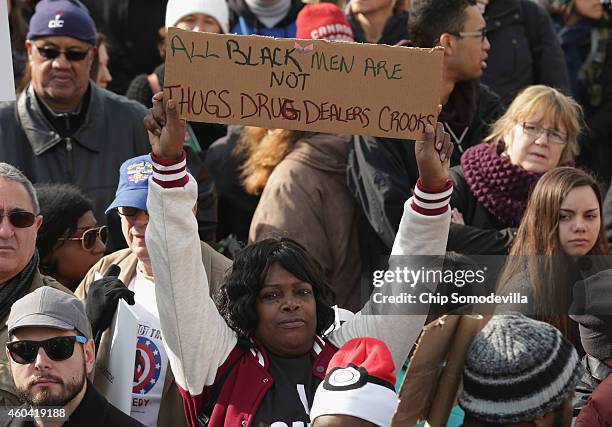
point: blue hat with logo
(133, 183)
(69, 18)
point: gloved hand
(104, 295)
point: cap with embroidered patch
(133, 183)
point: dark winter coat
(383, 171)
(483, 234)
(524, 49)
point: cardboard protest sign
(434, 374)
(7, 85)
(311, 85)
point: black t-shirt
(290, 398)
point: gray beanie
(517, 369)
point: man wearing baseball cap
(156, 400)
(52, 352)
(63, 128)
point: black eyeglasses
(71, 55)
(130, 212)
(58, 348)
(480, 33)
(18, 218)
(90, 237)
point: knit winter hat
(359, 383)
(323, 21)
(62, 18)
(517, 369)
(218, 9)
(61, 206)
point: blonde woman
(538, 132)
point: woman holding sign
(538, 132)
(258, 358)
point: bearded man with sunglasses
(52, 352)
(20, 220)
(63, 128)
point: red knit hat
(359, 382)
(323, 21)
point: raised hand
(166, 129)
(433, 156)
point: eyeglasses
(18, 218)
(130, 212)
(71, 55)
(58, 348)
(554, 136)
(480, 33)
(90, 237)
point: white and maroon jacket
(201, 345)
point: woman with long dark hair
(563, 222)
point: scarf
(269, 12)
(18, 286)
(501, 187)
(458, 113)
(575, 42)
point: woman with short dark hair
(69, 240)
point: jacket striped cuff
(170, 174)
(431, 203)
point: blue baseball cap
(133, 183)
(62, 18)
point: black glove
(104, 295)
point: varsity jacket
(215, 264)
(202, 347)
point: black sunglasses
(19, 218)
(130, 212)
(58, 348)
(90, 237)
(71, 55)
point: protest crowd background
(162, 272)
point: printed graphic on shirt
(147, 366)
(151, 361)
(287, 403)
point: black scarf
(18, 286)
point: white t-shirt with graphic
(151, 360)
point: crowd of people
(246, 254)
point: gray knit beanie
(517, 369)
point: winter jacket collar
(41, 134)
(248, 382)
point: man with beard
(52, 352)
